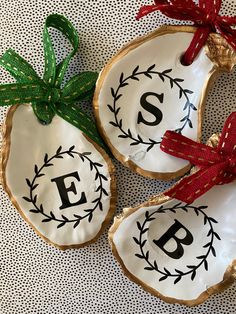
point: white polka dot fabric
(36, 278)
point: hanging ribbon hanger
(205, 16)
(215, 165)
(46, 94)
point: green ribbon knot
(53, 94)
(46, 94)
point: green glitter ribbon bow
(46, 95)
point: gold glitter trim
(220, 52)
(214, 140)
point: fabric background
(35, 277)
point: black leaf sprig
(63, 220)
(191, 269)
(118, 123)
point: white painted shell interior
(221, 202)
(165, 52)
(30, 141)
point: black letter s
(150, 108)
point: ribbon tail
(189, 3)
(180, 146)
(12, 94)
(176, 10)
(18, 67)
(215, 6)
(227, 140)
(211, 6)
(228, 33)
(146, 9)
(88, 96)
(228, 20)
(159, 2)
(80, 120)
(190, 188)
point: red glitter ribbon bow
(205, 16)
(216, 165)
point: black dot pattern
(36, 278)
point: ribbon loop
(205, 16)
(78, 86)
(56, 74)
(215, 165)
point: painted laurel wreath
(39, 209)
(116, 94)
(191, 269)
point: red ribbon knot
(232, 165)
(215, 165)
(205, 16)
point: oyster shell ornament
(177, 252)
(53, 166)
(146, 89)
(183, 250)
